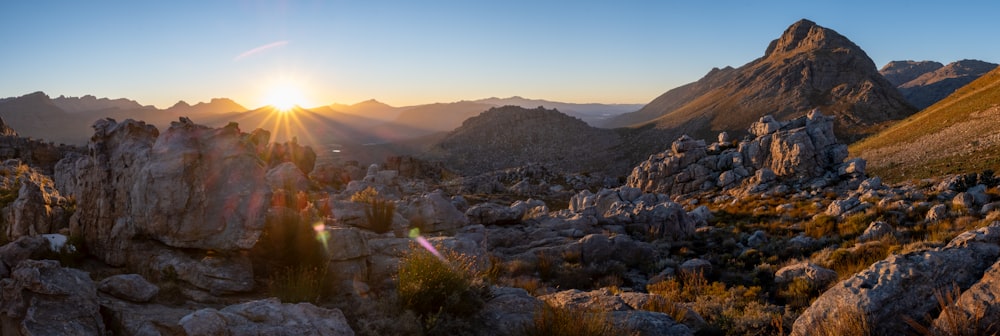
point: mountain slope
(960, 133)
(511, 136)
(35, 115)
(674, 99)
(900, 72)
(592, 114)
(932, 86)
(91, 103)
(808, 67)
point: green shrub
(430, 286)
(556, 321)
(378, 211)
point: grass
(299, 284)
(560, 321)
(379, 211)
(977, 96)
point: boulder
(194, 188)
(24, 248)
(38, 208)
(975, 311)
(696, 266)
(817, 277)
(875, 231)
(42, 298)
(288, 177)
(131, 287)
(508, 311)
(904, 285)
(267, 317)
(433, 212)
(937, 212)
(494, 214)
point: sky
(416, 52)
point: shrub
(299, 284)
(850, 321)
(378, 211)
(564, 321)
(430, 286)
(821, 226)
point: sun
(284, 97)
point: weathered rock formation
(140, 194)
(42, 298)
(267, 317)
(905, 285)
(802, 149)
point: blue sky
(414, 52)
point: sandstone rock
(132, 287)
(904, 285)
(38, 208)
(42, 298)
(875, 231)
(963, 200)
(288, 177)
(975, 311)
(24, 248)
(937, 212)
(696, 266)
(267, 317)
(842, 207)
(508, 311)
(817, 277)
(147, 319)
(649, 323)
(494, 214)
(433, 212)
(600, 299)
(192, 187)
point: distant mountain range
(959, 134)
(807, 67)
(924, 83)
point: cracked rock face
(192, 187)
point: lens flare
(322, 235)
(415, 235)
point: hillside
(513, 136)
(900, 72)
(932, 86)
(674, 99)
(35, 115)
(960, 133)
(808, 67)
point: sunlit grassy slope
(959, 134)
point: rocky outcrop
(621, 314)
(35, 207)
(900, 72)
(905, 285)
(801, 149)
(653, 213)
(140, 193)
(132, 287)
(267, 317)
(432, 212)
(42, 298)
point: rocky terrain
(925, 83)
(808, 66)
(202, 231)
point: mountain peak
(804, 36)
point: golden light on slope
(284, 97)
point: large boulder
(38, 208)
(508, 311)
(267, 317)
(905, 285)
(132, 287)
(42, 298)
(195, 188)
(433, 212)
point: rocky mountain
(899, 72)
(925, 83)
(36, 116)
(960, 133)
(214, 106)
(512, 136)
(674, 99)
(593, 114)
(370, 108)
(91, 103)
(808, 67)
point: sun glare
(284, 97)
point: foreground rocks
(42, 298)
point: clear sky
(415, 52)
